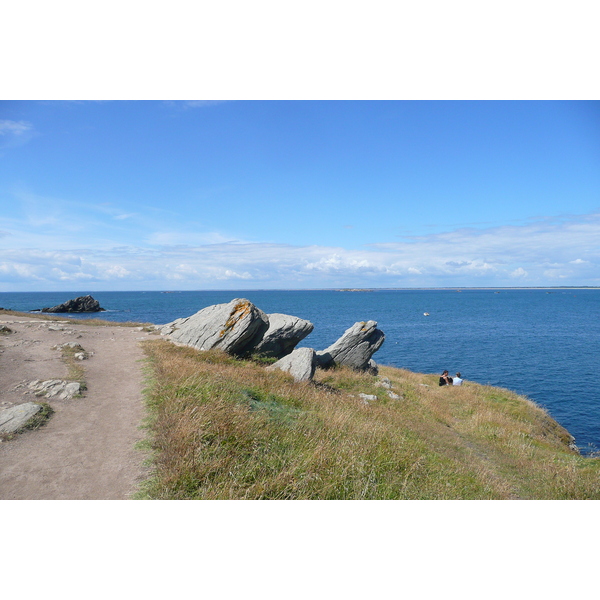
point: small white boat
(425, 314)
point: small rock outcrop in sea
(300, 364)
(234, 327)
(355, 348)
(283, 335)
(15, 417)
(80, 304)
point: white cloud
(117, 271)
(186, 238)
(16, 128)
(15, 133)
(564, 251)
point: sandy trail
(86, 450)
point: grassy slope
(222, 428)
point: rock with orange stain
(234, 327)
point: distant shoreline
(458, 288)
(333, 289)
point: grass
(40, 418)
(225, 428)
(92, 322)
(75, 370)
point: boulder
(355, 348)
(15, 417)
(366, 398)
(283, 335)
(384, 383)
(80, 304)
(234, 327)
(372, 368)
(301, 364)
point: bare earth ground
(86, 449)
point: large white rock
(15, 417)
(233, 327)
(283, 335)
(355, 348)
(52, 388)
(301, 364)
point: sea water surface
(543, 344)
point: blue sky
(154, 195)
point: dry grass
(58, 317)
(222, 428)
(76, 371)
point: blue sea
(543, 344)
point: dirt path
(86, 450)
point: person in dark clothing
(444, 379)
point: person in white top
(457, 380)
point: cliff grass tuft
(225, 428)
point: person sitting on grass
(444, 379)
(457, 380)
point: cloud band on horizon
(549, 251)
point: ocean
(542, 343)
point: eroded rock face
(283, 335)
(80, 304)
(301, 364)
(234, 327)
(355, 348)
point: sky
(190, 195)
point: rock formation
(240, 328)
(301, 364)
(355, 348)
(80, 304)
(283, 335)
(234, 327)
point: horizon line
(328, 289)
